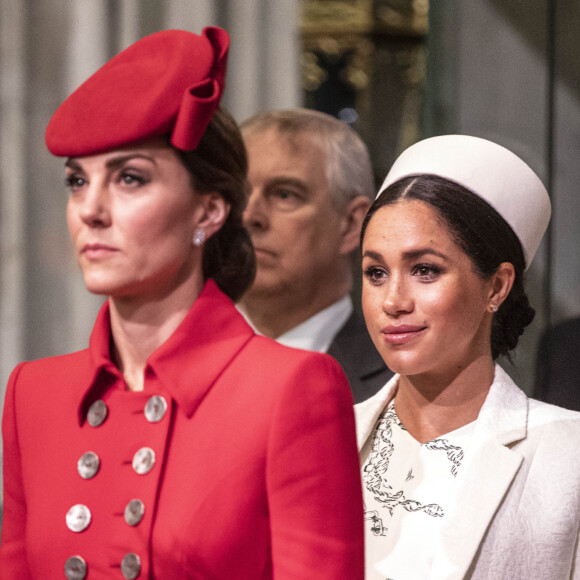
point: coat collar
(485, 477)
(188, 363)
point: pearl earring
(493, 307)
(199, 238)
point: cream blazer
(517, 508)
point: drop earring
(199, 238)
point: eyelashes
(424, 272)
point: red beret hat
(168, 83)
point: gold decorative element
(406, 17)
(329, 16)
(372, 55)
(401, 17)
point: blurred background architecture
(397, 70)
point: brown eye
(426, 271)
(374, 274)
(74, 182)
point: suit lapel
(484, 479)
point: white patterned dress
(407, 487)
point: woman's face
(425, 308)
(132, 214)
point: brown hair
(219, 164)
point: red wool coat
(251, 472)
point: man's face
(296, 230)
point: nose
(94, 206)
(256, 212)
(397, 299)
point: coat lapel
(484, 479)
(368, 412)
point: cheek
(371, 302)
(72, 221)
(154, 225)
(459, 306)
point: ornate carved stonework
(364, 61)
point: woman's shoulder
(545, 412)
(51, 368)
(301, 369)
(264, 346)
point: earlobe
(353, 218)
(214, 213)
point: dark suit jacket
(353, 348)
(558, 365)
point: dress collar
(188, 362)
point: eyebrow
(113, 163)
(408, 256)
(293, 181)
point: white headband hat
(490, 171)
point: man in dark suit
(558, 365)
(312, 184)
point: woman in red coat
(179, 444)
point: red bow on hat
(168, 83)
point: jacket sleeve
(13, 562)
(313, 477)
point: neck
(275, 314)
(139, 326)
(430, 406)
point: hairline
(348, 168)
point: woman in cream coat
(463, 475)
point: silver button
(78, 518)
(155, 409)
(98, 412)
(144, 460)
(75, 568)
(131, 566)
(134, 512)
(88, 465)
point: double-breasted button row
(78, 518)
(75, 568)
(155, 410)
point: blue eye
(130, 178)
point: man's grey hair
(349, 171)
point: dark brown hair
(482, 234)
(219, 164)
